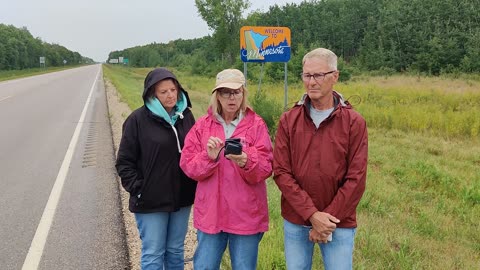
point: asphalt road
(59, 200)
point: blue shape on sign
(258, 38)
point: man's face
(322, 87)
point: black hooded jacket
(148, 157)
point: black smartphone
(233, 146)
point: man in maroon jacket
(320, 166)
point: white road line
(2, 99)
(38, 243)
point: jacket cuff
(252, 158)
(308, 213)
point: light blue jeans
(243, 250)
(163, 235)
(337, 254)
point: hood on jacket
(160, 74)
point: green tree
(471, 60)
(19, 50)
(424, 36)
(224, 17)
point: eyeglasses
(227, 94)
(317, 76)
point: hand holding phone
(233, 146)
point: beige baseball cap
(229, 78)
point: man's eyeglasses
(317, 76)
(227, 94)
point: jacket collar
(158, 110)
(337, 99)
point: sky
(94, 28)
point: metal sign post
(285, 99)
(245, 72)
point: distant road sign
(265, 44)
(42, 59)
(113, 61)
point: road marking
(38, 243)
(2, 99)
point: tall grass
(15, 74)
(436, 106)
(422, 203)
(421, 207)
(128, 82)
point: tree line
(427, 37)
(20, 50)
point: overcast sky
(96, 27)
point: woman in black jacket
(161, 196)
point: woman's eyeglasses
(227, 94)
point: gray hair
(322, 54)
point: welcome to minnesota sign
(264, 44)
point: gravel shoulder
(118, 111)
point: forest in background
(20, 50)
(421, 37)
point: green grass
(16, 74)
(421, 208)
(128, 82)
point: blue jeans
(163, 235)
(243, 250)
(337, 254)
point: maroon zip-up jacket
(321, 169)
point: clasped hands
(214, 146)
(323, 225)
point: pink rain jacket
(229, 198)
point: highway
(59, 200)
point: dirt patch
(118, 111)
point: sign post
(265, 44)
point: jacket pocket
(137, 187)
(142, 197)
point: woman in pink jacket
(230, 205)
